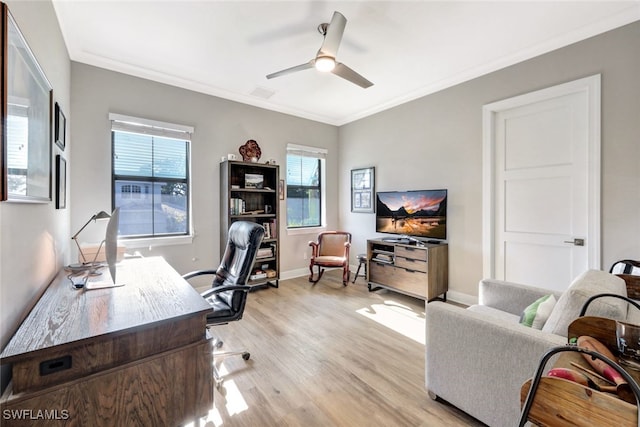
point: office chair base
(221, 355)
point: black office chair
(229, 290)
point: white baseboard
(292, 274)
(453, 296)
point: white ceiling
(408, 49)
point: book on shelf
(257, 275)
(265, 253)
(270, 231)
(236, 206)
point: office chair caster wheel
(246, 355)
(219, 344)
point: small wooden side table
(560, 402)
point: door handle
(576, 242)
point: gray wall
(221, 127)
(436, 142)
(34, 240)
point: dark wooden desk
(131, 355)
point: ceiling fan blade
(292, 69)
(347, 73)
(334, 35)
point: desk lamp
(99, 215)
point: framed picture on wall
(61, 182)
(27, 101)
(363, 190)
(60, 127)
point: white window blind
(150, 176)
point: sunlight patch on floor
(398, 317)
(234, 403)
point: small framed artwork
(363, 190)
(253, 180)
(61, 182)
(60, 127)
(281, 189)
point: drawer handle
(54, 365)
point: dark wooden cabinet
(249, 192)
(419, 271)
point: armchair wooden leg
(345, 275)
(319, 276)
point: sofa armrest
(478, 363)
(508, 296)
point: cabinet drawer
(411, 252)
(411, 264)
(380, 273)
(413, 282)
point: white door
(542, 185)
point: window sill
(306, 230)
(156, 241)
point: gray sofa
(478, 357)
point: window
(150, 178)
(305, 166)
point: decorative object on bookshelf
(253, 180)
(250, 151)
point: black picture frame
(61, 182)
(27, 103)
(363, 190)
(60, 127)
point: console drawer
(411, 252)
(411, 264)
(380, 273)
(413, 282)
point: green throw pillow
(537, 313)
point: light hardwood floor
(327, 355)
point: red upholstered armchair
(331, 250)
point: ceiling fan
(325, 59)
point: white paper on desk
(102, 285)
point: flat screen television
(420, 214)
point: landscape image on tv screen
(414, 213)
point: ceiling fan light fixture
(325, 63)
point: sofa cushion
(588, 284)
(537, 313)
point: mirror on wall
(26, 120)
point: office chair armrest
(223, 288)
(198, 273)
